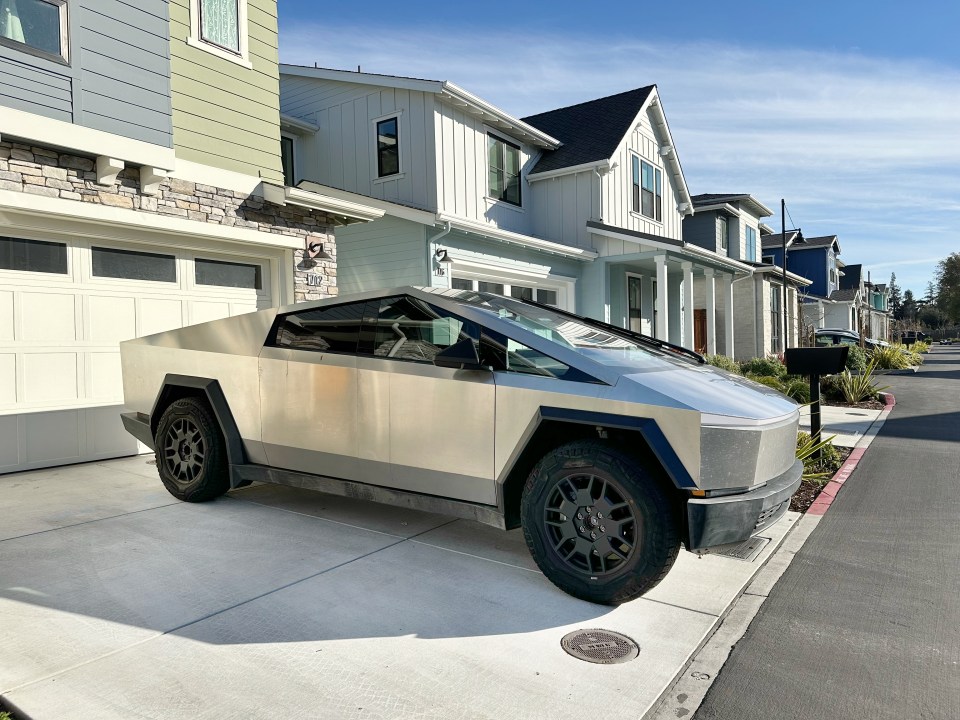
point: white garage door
(65, 306)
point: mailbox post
(814, 362)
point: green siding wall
(226, 115)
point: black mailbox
(816, 360)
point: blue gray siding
(118, 78)
(381, 254)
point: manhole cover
(746, 550)
(600, 646)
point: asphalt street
(865, 623)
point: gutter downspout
(431, 250)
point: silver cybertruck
(609, 448)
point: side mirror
(459, 356)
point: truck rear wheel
(191, 455)
(597, 523)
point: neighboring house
(825, 303)
(871, 316)
(730, 224)
(580, 207)
(137, 144)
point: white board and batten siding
(60, 382)
(562, 205)
(343, 154)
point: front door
(700, 330)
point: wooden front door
(700, 330)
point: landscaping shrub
(764, 367)
(830, 458)
(856, 360)
(798, 389)
(857, 388)
(891, 358)
(920, 346)
(724, 363)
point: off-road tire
(641, 527)
(191, 455)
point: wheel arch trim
(209, 389)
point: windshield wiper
(622, 332)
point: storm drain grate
(600, 646)
(746, 550)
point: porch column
(663, 290)
(726, 286)
(711, 289)
(687, 304)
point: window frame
(638, 188)
(64, 246)
(195, 39)
(278, 321)
(470, 328)
(750, 240)
(285, 137)
(563, 291)
(378, 162)
(504, 143)
(261, 270)
(724, 233)
(63, 58)
(133, 251)
(776, 312)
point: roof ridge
(647, 88)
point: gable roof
(774, 241)
(716, 200)
(590, 131)
(847, 294)
(447, 91)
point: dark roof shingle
(847, 294)
(590, 131)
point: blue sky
(848, 110)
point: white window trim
(637, 214)
(194, 40)
(295, 140)
(564, 287)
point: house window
(38, 27)
(768, 260)
(228, 274)
(220, 23)
(775, 318)
(133, 265)
(751, 244)
(286, 159)
(724, 232)
(503, 159)
(220, 27)
(33, 256)
(546, 296)
(647, 189)
(388, 148)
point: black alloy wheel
(191, 455)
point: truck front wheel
(191, 456)
(597, 523)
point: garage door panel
(105, 433)
(201, 311)
(50, 377)
(6, 315)
(8, 379)
(52, 436)
(160, 315)
(48, 317)
(111, 319)
(105, 378)
(9, 442)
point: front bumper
(734, 518)
(138, 425)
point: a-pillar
(687, 304)
(726, 287)
(663, 290)
(710, 288)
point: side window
(504, 354)
(408, 329)
(38, 27)
(324, 329)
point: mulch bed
(809, 489)
(865, 405)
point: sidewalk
(848, 424)
(119, 602)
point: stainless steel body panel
(309, 407)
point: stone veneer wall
(41, 171)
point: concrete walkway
(848, 424)
(117, 601)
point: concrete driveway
(117, 601)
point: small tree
(896, 298)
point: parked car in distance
(838, 336)
(609, 448)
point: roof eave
(672, 159)
(495, 116)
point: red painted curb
(829, 493)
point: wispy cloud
(868, 144)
